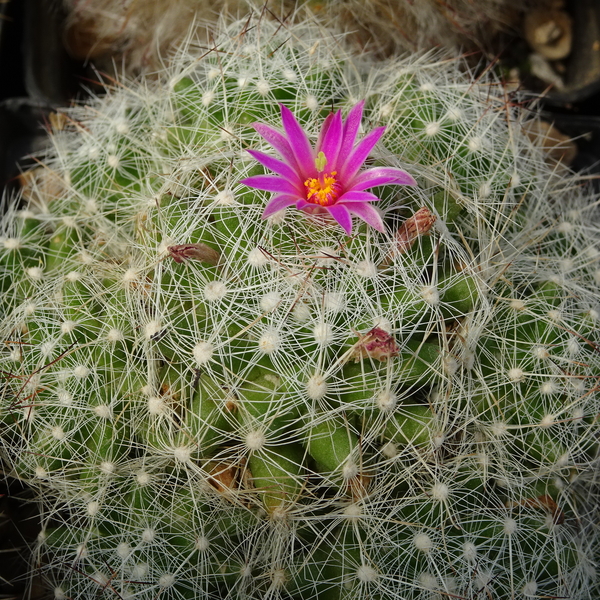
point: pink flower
(328, 177)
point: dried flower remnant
(358, 486)
(375, 344)
(419, 224)
(202, 252)
(326, 179)
(224, 476)
(544, 502)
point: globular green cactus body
(215, 405)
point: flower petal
(332, 141)
(351, 127)
(380, 176)
(298, 142)
(360, 153)
(275, 165)
(340, 213)
(354, 196)
(367, 213)
(278, 203)
(278, 141)
(324, 128)
(271, 183)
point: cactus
(215, 405)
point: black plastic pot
(37, 76)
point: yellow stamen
(323, 191)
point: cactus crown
(214, 405)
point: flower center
(323, 190)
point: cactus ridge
(213, 405)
